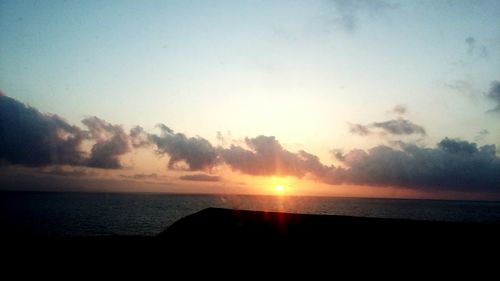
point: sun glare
(279, 188)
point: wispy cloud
(142, 176)
(464, 88)
(358, 129)
(200, 177)
(398, 126)
(347, 13)
(481, 135)
(67, 171)
(475, 49)
(399, 109)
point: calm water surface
(90, 214)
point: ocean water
(93, 214)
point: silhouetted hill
(224, 236)
(225, 228)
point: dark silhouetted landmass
(225, 228)
(223, 236)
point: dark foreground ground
(221, 235)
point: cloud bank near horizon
(31, 138)
(34, 139)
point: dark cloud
(475, 49)
(111, 142)
(197, 153)
(494, 94)
(399, 127)
(338, 154)
(266, 157)
(139, 137)
(453, 165)
(347, 12)
(359, 129)
(29, 137)
(200, 177)
(457, 146)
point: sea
(63, 214)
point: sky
(328, 97)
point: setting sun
(279, 188)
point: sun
(279, 188)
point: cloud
(358, 129)
(266, 157)
(197, 153)
(141, 176)
(481, 135)
(111, 142)
(338, 154)
(139, 137)
(200, 177)
(494, 94)
(347, 13)
(399, 127)
(457, 146)
(66, 172)
(464, 88)
(453, 165)
(471, 43)
(400, 109)
(474, 49)
(29, 137)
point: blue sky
(301, 71)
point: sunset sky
(328, 97)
